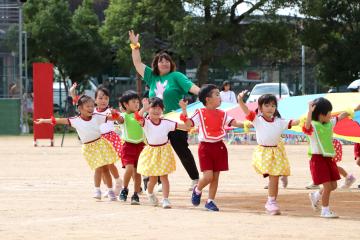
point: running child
(213, 155)
(269, 157)
(97, 151)
(157, 158)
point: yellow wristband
(134, 46)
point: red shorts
(323, 169)
(213, 156)
(130, 153)
(356, 150)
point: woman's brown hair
(158, 57)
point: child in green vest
(319, 128)
(133, 137)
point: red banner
(43, 74)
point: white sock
(317, 194)
(325, 209)
(110, 189)
(198, 192)
(210, 200)
(271, 198)
(97, 189)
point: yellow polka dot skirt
(271, 160)
(99, 153)
(156, 161)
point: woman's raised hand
(134, 39)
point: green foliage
(336, 24)
(70, 41)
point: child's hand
(39, 121)
(311, 106)
(145, 103)
(183, 104)
(242, 95)
(134, 39)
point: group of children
(145, 150)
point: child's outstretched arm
(72, 90)
(309, 116)
(236, 123)
(243, 107)
(52, 120)
(295, 122)
(187, 122)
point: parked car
(268, 88)
(59, 92)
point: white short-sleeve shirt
(109, 125)
(157, 134)
(268, 133)
(88, 130)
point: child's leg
(97, 176)
(342, 171)
(129, 170)
(114, 171)
(328, 187)
(206, 179)
(151, 184)
(358, 161)
(107, 176)
(165, 186)
(273, 186)
(137, 181)
(214, 185)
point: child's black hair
(103, 89)
(205, 91)
(322, 106)
(156, 102)
(266, 99)
(84, 99)
(226, 82)
(127, 96)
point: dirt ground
(46, 193)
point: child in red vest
(213, 155)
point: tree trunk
(202, 73)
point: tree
(336, 24)
(151, 18)
(218, 32)
(70, 42)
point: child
(157, 158)
(107, 129)
(319, 128)
(269, 157)
(213, 155)
(97, 151)
(133, 144)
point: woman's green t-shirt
(170, 87)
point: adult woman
(226, 94)
(171, 86)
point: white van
(268, 88)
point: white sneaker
(284, 181)
(159, 188)
(97, 194)
(193, 184)
(166, 203)
(112, 196)
(348, 182)
(153, 199)
(314, 201)
(328, 214)
(312, 186)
